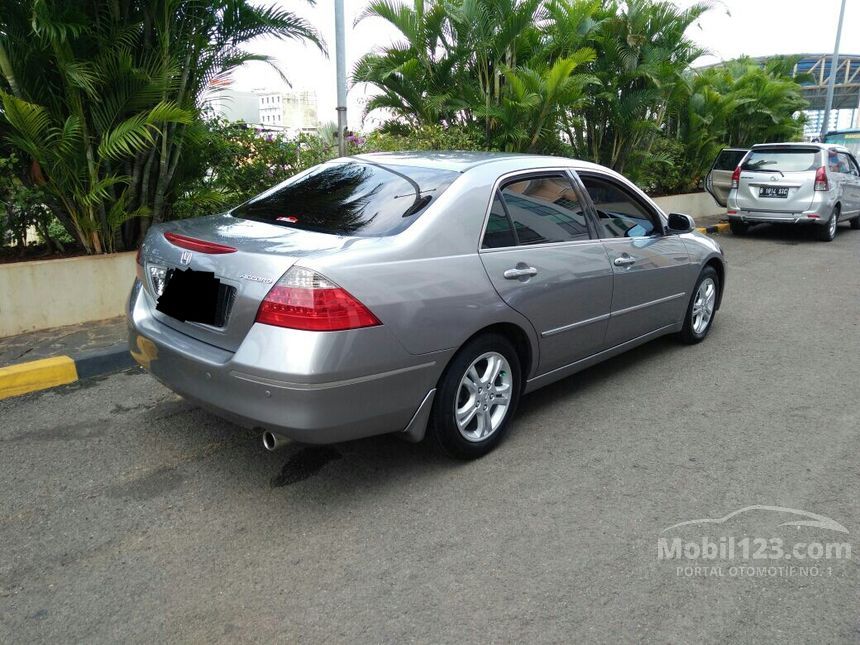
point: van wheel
(827, 233)
(738, 228)
(855, 223)
(476, 398)
(702, 308)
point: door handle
(513, 274)
(624, 261)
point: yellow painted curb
(722, 227)
(36, 375)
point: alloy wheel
(703, 306)
(483, 397)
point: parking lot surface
(127, 514)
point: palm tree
(103, 96)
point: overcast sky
(731, 28)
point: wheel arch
(517, 336)
(720, 268)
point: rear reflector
(821, 181)
(304, 299)
(201, 246)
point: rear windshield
(350, 198)
(729, 159)
(783, 160)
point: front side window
(619, 213)
(545, 209)
(350, 198)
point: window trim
(631, 190)
(519, 175)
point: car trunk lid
(247, 258)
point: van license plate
(773, 191)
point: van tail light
(304, 299)
(736, 177)
(821, 181)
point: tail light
(304, 299)
(821, 181)
(736, 177)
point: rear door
(851, 184)
(652, 270)
(544, 259)
(719, 179)
(778, 180)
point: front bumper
(311, 406)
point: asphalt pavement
(129, 515)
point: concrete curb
(722, 227)
(61, 370)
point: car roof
(461, 161)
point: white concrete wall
(52, 293)
(693, 204)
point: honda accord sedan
(414, 293)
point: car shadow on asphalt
(791, 234)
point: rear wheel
(476, 397)
(827, 233)
(855, 223)
(702, 307)
(739, 228)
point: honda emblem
(185, 258)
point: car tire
(466, 391)
(855, 223)
(739, 228)
(827, 233)
(702, 309)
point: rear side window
(784, 160)
(729, 159)
(846, 165)
(500, 231)
(545, 209)
(350, 198)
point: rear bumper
(818, 213)
(312, 405)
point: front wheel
(827, 233)
(476, 397)
(702, 308)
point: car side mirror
(680, 223)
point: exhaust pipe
(273, 441)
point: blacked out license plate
(194, 296)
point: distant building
(221, 100)
(293, 111)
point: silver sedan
(414, 293)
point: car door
(544, 259)
(850, 185)
(652, 270)
(718, 182)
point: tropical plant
(103, 97)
